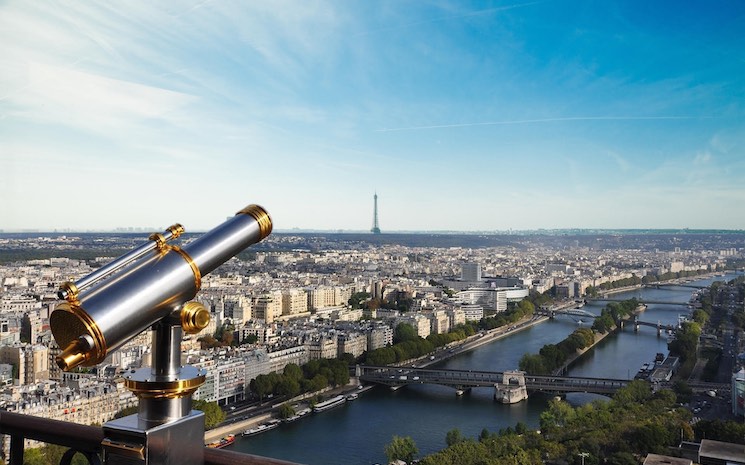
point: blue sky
(461, 115)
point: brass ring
(261, 217)
(176, 230)
(164, 389)
(194, 267)
(71, 291)
(160, 240)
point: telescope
(151, 287)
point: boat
(262, 428)
(352, 396)
(329, 404)
(298, 415)
(226, 441)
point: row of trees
(634, 280)
(635, 422)
(552, 356)
(738, 316)
(647, 279)
(294, 380)
(686, 341)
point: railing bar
(80, 437)
(16, 449)
(226, 457)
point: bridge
(585, 314)
(466, 379)
(669, 285)
(641, 301)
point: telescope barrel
(108, 313)
(156, 241)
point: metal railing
(86, 440)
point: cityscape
(294, 299)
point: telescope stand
(165, 431)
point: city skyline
(461, 116)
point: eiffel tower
(376, 227)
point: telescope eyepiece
(76, 353)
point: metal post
(165, 431)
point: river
(356, 433)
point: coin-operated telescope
(152, 287)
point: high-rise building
(470, 272)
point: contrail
(542, 120)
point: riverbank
(474, 342)
(238, 427)
(469, 344)
(499, 333)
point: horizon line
(515, 231)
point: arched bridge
(466, 379)
(669, 285)
(641, 301)
(585, 314)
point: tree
(521, 428)
(34, 457)
(533, 364)
(404, 332)
(293, 371)
(453, 437)
(683, 391)
(213, 414)
(288, 386)
(262, 386)
(356, 299)
(286, 411)
(401, 448)
(622, 458)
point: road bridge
(669, 285)
(641, 301)
(578, 312)
(467, 379)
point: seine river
(356, 433)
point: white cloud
(91, 102)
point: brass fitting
(160, 240)
(176, 230)
(261, 217)
(194, 317)
(69, 291)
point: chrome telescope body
(152, 282)
(157, 241)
